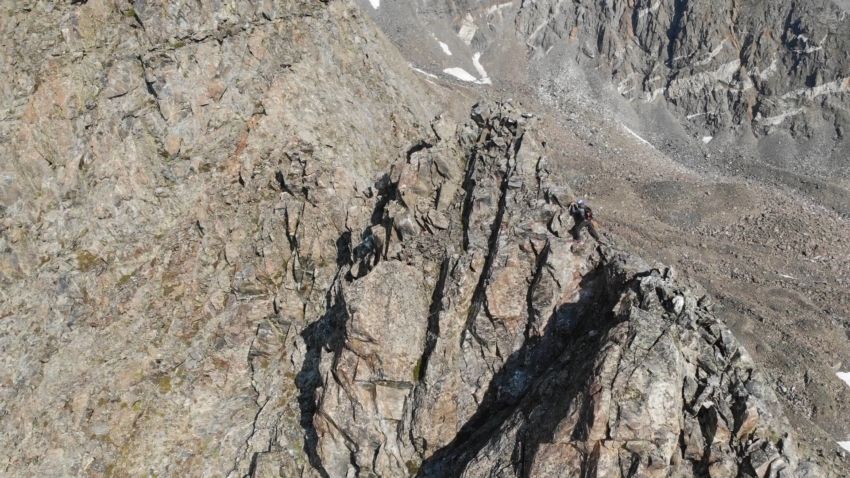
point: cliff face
(244, 239)
(540, 356)
(723, 64)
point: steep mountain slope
(247, 239)
(148, 151)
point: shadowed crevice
(434, 317)
(320, 336)
(535, 369)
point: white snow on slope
(707, 139)
(636, 135)
(417, 70)
(844, 376)
(460, 74)
(845, 445)
(484, 78)
(445, 48)
(498, 8)
(375, 3)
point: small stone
(444, 128)
(444, 168)
(172, 145)
(748, 420)
(231, 253)
(438, 219)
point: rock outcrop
(650, 385)
(243, 239)
(539, 356)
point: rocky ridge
(540, 357)
(718, 64)
(213, 267)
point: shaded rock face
(653, 385)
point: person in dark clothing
(583, 217)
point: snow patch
(844, 376)
(775, 120)
(636, 135)
(844, 444)
(498, 8)
(375, 3)
(707, 139)
(445, 48)
(460, 74)
(485, 80)
(417, 70)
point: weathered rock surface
(176, 191)
(542, 357)
(240, 239)
(651, 385)
(368, 382)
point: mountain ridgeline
(247, 239)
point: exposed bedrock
(244, 239)
(513, 351)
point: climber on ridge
(583, 217)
